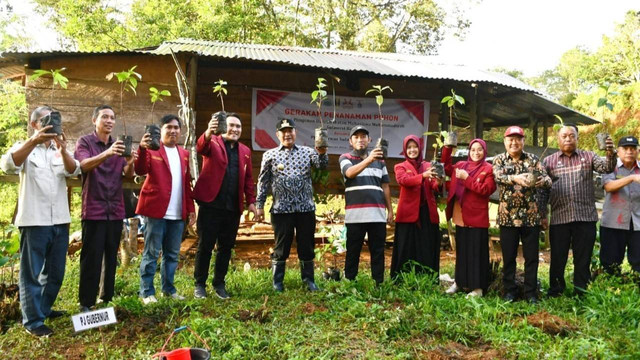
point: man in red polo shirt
(225, 181)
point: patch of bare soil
(550, 324)
(309, 308)
(456, 351)
(260, 314)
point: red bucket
(186, 354)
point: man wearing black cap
(366, 196)
(286, 174)
(620, 223)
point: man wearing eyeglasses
(43, 164)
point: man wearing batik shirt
(519, 175)
(620, 223)
(573, 209)
(286, 174)
(367, 195)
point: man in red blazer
(224, 185)
(165, 201)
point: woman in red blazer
(472, 183)
(417, 235)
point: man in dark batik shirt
(286, 174)
(519, 175)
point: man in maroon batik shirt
(102, 205)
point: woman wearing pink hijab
(417, 235)
(472, 183)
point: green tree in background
(374, 25)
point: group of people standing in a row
(226, 185)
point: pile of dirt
(309, 308)
(457, 351)
(260, 314)
(550, 324)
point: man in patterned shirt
(573, 209)
(286, 174)
(366, 195)
(519, 175)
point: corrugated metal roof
(390, 64)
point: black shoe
(509, 297)
(56, 314)
(40, 331)
(199, 292)
(306, 272)
(278, 267)
(553, 294)
(221, 292)
(311, 285)
(533, 300)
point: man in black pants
(367, 195)
(226, 180)
(518, 175)
(286, 174)
(102, 167)
(573, 208)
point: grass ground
(411, 320)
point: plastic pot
(154, 131)
(602, 140)
(383, 144)
(54, 119)
(127, 140)
(221, 117)
(321, 138)
(439, 169)
(451, 139)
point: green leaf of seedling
(133, 82)
(165, 93)
(122, 76)
(602, 102)
(559, 118)
(557, 127)
(38, 73)
(379, 100)
(459, 99)
(610, 106)
(614, 93)
(369, 91)
(224, 91)
(314, 95)
(450, 103)
(445, 99)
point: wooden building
(493, 100)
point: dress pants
(614, 243)
(580, 236)
(215, 226)
(100, 239)
(355, 239)
(510, 238)
(284, 225)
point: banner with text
(399, 119)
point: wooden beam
(479, 129)
(533, 125)
(473, 116)
(545, 132)
(444, 110)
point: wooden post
(479, 129)
(545, 132)
(533, 125)
(444, 110)
(473, 115)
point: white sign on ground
(400, 118)
(92, 319)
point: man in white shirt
(43, 164)
(166, 201)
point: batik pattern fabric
(518, 204)
(286, 175)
